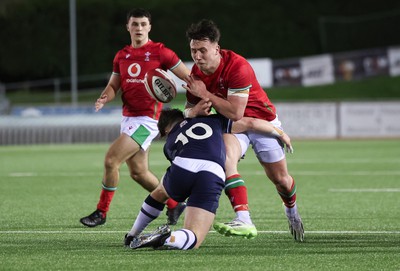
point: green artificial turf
(347, 193)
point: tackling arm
(263, 126)
(181, 71)
(232, 108)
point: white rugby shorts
(267, 148)
(142, 129)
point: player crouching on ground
(196, 151)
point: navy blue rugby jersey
(199, 138)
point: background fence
(326, 120)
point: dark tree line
(34, 34)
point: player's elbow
(235, 117)
(251, 124)
(231, 113)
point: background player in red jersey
(228, 81)
(140, 113)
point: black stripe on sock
(149, 215)
(153, 203)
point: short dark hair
(138, 13)
(203, 30)
(168, 117)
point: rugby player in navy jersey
(196, 150)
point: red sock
(171, 204)
(238, 198)
(106, 197)
(289, 199)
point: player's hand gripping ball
(160, 85)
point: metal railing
(58, 85)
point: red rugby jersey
(132, 64)
(234, 74)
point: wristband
(277, 132)
(186, 113)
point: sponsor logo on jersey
(134, 80)
(134, 69)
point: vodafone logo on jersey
(134, 70)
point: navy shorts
(203, 188)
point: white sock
(244, 216)
(183, 239)
(146, 215)
(291, 211)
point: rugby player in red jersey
(228, 81)
(140, 113)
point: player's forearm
(111, 89)
(106, 96)
(256, 125)
(252, 124)
(230, 109)
(108, 92)
(264, 126)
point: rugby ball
(160, 85)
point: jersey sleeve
(116, 69)
(169, 59)
(240, 78)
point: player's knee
(232, 158)
(146, 179)
(138, 176)
(111, 163)
(283, 182)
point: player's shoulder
(233, 59)
(124, 50)
(231, 55)
(153, 44)
(149, 45)
(158, 47)
(122, 53)
(213, 118)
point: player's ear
(217, 49)
(127, 27)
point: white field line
(335, 161)
(243, 172)
(330, 173)
(371, 190)
(263, 232)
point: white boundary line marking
(254, 173)
(267, 232)
(356, 190)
